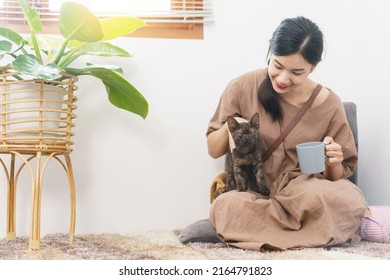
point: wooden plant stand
(35, 128)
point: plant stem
(35, 46)
(61, 52)
(69, 58)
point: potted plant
(83, 34)
(44, 64)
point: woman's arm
(217, 142)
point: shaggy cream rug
(165, 245)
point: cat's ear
(232, 123)
(255, 120)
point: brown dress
(303, 210)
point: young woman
(303, 210)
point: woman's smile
(281, 86)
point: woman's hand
(334, 167)
(231, 141)
(333, 151)
(219, 140)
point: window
(165, 18)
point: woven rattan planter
(36, 113)
(36, 121)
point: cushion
(200, 231)
(377, 227)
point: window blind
(152, 11)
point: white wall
(134, 175)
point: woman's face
(288, 72)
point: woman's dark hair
(293, 35)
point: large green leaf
(78, 23)
(11, 35)
(5, 47)
(32, 17)
(121, 93)
(102, 49)
(120, 26)
(87, 70)
(28, 64)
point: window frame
(152, 30)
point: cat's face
(245, 134)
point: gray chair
(350, 111)
(203, 230)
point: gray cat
(244, 164)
